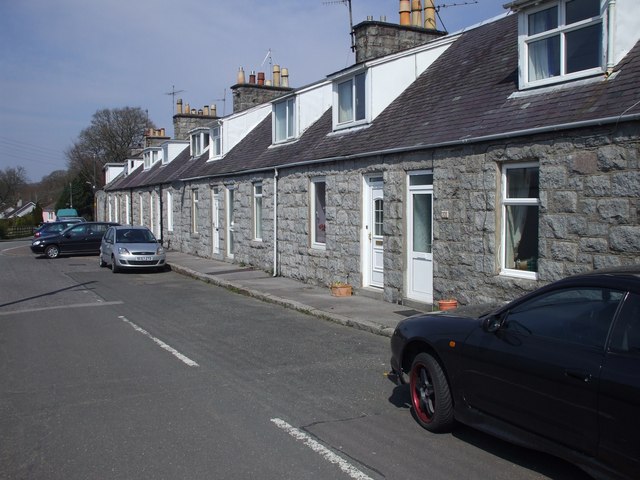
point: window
(151, 156)
(257, 211)
(575, 315)
(199, 142)
(170, 211)
(520, 205)
(318, 213)
(351, 100)
(625, 337)
(283, 120)
(216, 142)
(561, 40)
(194, 211)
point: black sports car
(557, 370)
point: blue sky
(61, 60)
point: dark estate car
(81, 238)
(54, 228)
(557, 370)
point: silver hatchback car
(131, 247)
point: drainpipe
(275, 222)
(161, 217)
(611, 20)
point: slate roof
(466, 94)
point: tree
(12, 180)
(77, 194)
(112, 135)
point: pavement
(360, 310)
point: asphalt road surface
(159, 376)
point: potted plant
(447, 304)
(341, 289)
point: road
(158, 376)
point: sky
(63, 60)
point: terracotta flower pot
(448, 304)
(341, 290)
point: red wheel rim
(422, 393)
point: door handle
(578, 375)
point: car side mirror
(492, 323)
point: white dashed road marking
(160, 343)
(317, 447)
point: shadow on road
(53, 292)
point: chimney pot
(205, 110)
(252, 77)
(241, 78)
(162, 132)
(214, 111)
(405, 12)
(276, 75)
(429, 14)
(285, 77)
(260, 78)
(416, 13)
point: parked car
(81, 238)
(54, 228)
(557, 370)
(131, 247)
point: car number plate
(144, 259)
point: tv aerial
(173, 94)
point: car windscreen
(134, 235)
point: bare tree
(112, 135)
(12, 180)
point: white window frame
(358, 85)
(151, 157)
(287, 108)
(127, 210)
(215, 151)
(313, 223)
(524, 40)
(116, 208)
(169, 211)
(257, 212)
(505, 203)
(194, 210)
(200, 142)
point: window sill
(526, 275)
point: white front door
(420, 237)
(215, 220)
(373, 239)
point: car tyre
(52, 251)
(114, 267)
(431, 401)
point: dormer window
(199, 142)
(216, 142)
(350, 101)
(284, 120)
(150, 157)
(560, 40)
